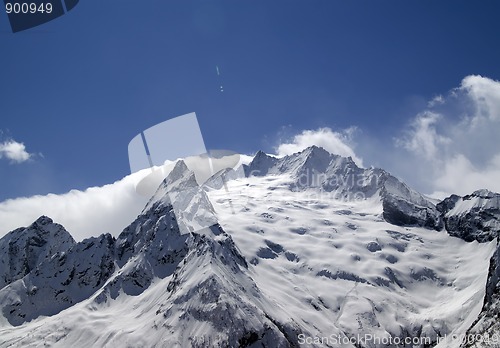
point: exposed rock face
(485, 332)
(60, 281)
(24, 248)
(476, 217)
(472, 217)
(405, 207)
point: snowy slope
(309, 248)
(343, 270)
(344, 180)
(476, 217)
(191, 288)
(485, 332)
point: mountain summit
(305, 249)
(315, 167)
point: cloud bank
(97, 210)
(14, 151)
(457, 139)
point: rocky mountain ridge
(208, 287)
(315, 167)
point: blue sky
(76, 90)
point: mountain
(200, 277)
(315, 167)
(24, 248)
(472, 217)
(60, 281)
(307, 249)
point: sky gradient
(76, 90)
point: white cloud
(97, 210)
(423, 137)
(437, 100)
(83, 213)
(456, 143)
(14, 151)
(485, 93)
(339, 143)
(460, 175)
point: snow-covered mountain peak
(340, 177)
(179, 178)
(24, 248)
(43, 221)
(483, 193)
(308, 166)
(318, 155)
(261, 164)
(189, 203)
(311, 159)
(316, 152)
